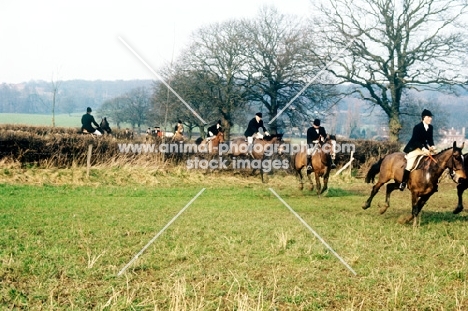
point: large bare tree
(215, 56)
(280, 63)
(397, 44)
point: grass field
(65, 237)
(63, 120)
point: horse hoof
(458, 210)
(404, 219)
(365, 206)
(383, 209)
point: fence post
(88, 166)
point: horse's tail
(374, 170)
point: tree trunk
(227, 129)
(394, 125)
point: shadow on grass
(440, 217)
(337, 192)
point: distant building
(451, 135)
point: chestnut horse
(422, 181)
(261, 148)
(321, 162)
(213, 144)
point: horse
(213, 144)
(177, 137)
(261, 148)
(462, 185)
(422, 181)
(321, 164)
(104, 126)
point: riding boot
(309, 163)
(405, 179)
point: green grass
(237, 247)
(62, 120)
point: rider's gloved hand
(267, 134)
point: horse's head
(456, 163)
(329, 145)
(220, 136)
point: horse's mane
(445, 150)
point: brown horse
(321, 164)
(213, 144)
(261, 148)
(422, 181)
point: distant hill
(73, 95)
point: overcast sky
(64, 40)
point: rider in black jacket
(421, 142)
(87, 121)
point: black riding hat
(259, 114)
(317, 122)
(426, 113)
(89, 109)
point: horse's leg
(420, 204)
(311, 182)
(460, 189)
(390, 188)
(374, 191)
(406, 219)
(325, 179)
(317, 182)
(301, 180)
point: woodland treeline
(294, 70)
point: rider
(315, 135)
(86, 123)
(214, 130)
(179, 128)
(421, 142)
(252, 131)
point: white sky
(64, 40)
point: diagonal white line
(161, 79)
(313, 232)
(310, 82)
(159, 233)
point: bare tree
(55, 88)
(280, 63)
(215, 55)
(138, 106)
(397, 44)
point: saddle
(422, 162)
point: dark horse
(422, 181)
(462, 186)
(321, 164)
(267, 146)
(104, 126)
